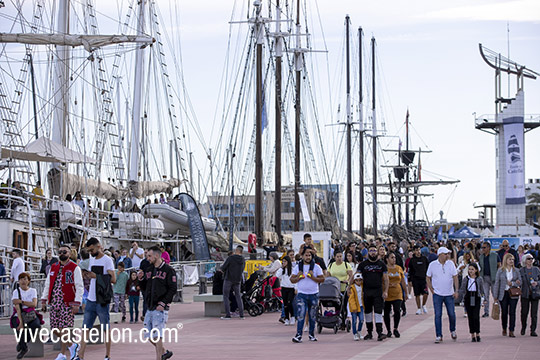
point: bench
(213, 304)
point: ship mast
(137, 104)
(298, 68)
(374, 125)
(349, 127)
(259, 30)
(361, 135)
(279, 53)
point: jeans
(134, 307)
(487, 287)
(307, 303)
(93, 310)
(450, 310)
(357, 317)
(525, 304)
(508, 309)
(227, 285)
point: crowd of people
(99, 284)
(377, 278)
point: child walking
(355, 306)
(120, 290)
(472, 292)
(134, 293)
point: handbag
(514, 292)
(29, 315)
(495, 311)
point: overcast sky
(429, 58)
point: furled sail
(89, 42)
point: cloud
(518, 11)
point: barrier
(251, 266)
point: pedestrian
(274, 266)
(506, 249)
(17, 267)
(288, 290)
(392, 303)
(507, 280)
(307, 276)
(490, 262)
(343, 272)
(136, 254)
(47, 262)
(63, 291)
(133, 290)
(530, 293)
(165, 255)
(158, 284)
(351, 260)
(24, 300)
(101, 276)
(418, 266)
(124, 257)
(375, 290)
(472, 293)
(442, 281)
(119, 289)
(233, 269)
(356, 306)
(143, 265)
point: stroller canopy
(330, 288)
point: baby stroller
(261, 294)
(331, 311)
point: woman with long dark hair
(288, 289)
(396, 286)
(472, 293)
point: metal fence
(6, 293)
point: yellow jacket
(354, 302)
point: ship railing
(6, 293)
(12, 201)
(32, 259)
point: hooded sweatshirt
(233, 268)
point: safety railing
(6, 293)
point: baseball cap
(442, 250)
(357, 276)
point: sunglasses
(62, 252)
(505, 246)
(529, 258)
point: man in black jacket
(417, 275)
(232, 269)
(158, 285)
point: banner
(514, 150)
(303, 206)
(198, 236)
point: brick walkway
(264, 338)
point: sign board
(303, 206)
(514, 242)
(322, 241)
(514, 152)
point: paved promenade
(264, 338)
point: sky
(428, 63)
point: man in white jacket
(63, 291)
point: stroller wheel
(319, 328)
(253, 310)
(260, 309)
(348, 324)
(336, 328)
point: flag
(439, 234)
(451, 231)
(264, 118)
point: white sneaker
(292, 321)
(73, 350)
(356, 338)
(465, 315)
(419, 312)
(306, 329)
(61, 357)
(361, 337)
(287, 322)
(424, 309)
